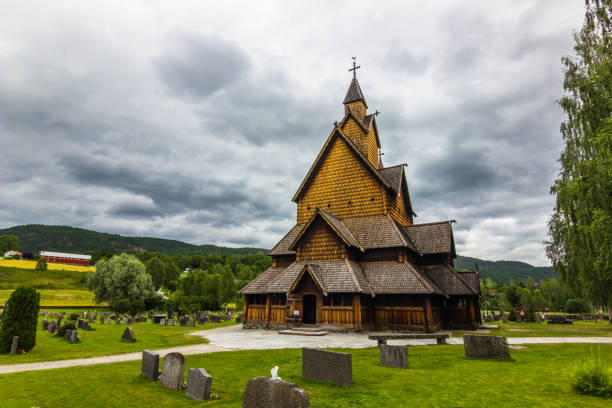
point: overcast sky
(198, 120)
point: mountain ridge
(37, 237)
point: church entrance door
(310, 309)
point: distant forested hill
(503, 271)
(34, 238)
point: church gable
(341, 184)
(320, 241)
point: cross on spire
(355, 67)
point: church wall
(356, 133)
(320, 242)
(343, 187)
(358, 109)
(397, 209)
(372, 151)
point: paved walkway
(235, 338)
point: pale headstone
(172, 373)
(265, 392)
(327, 366)
(393, 356)
(150, 365)
(493, 347)
(162, 322)
(198, 384)
(74, 337)
(128, 335)
(14, 344)
(170, 322)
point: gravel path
(235, 338)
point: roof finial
(355, 67)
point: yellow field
(59, 297)
(52, 266)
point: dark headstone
(74, 336)
(128, 335)
(327, 366)
(67, 334)
(394, 356)
(183, 321)
(264, 392)
(14, 344)
(190, 323)
(556, 319)
(150, 364)
(215, 319)
(198, 384)
(495, 347)
(45, 324)
(172, 373)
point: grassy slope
(105, 340)
(11, 277)
(27, 264)
(438, 376)
(59, 297)
(579, 329)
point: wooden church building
(355, 260)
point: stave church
(355, 259)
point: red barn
(60, 257)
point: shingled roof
(472, 279)
(282, 247)
(378, 231)
(447, 279)
(394, 176)
(354, 93)
(432, 238)
(395, 277)
(334, 276)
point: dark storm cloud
(136, 210)
(197, 66)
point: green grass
(439, 376)
(60, 297)
(601, 328)
(106, 339)
(11, 277)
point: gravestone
(79, 323)
(109, 321)
(263, 392)
(162, 322)
(45, 324)
(52, 327)
(215, 319)
(556, 319)
(14, 344)
(198, 384)
(183, 321)
(239, 318)
(327, 366)
(170, 322)
(172, 373)
(67, 334)
(128, 335)
(393, 356)
(150, 365)
(190, 323)
(74, 337)
(493, 347)
(124, 320)
(102, 320)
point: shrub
(41, 264)
(128, 305)
(73, 316)
(20, 319)
(576, 306)
(591, 378)
(66, 326)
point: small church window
(350, 203)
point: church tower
(354, 258)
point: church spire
(354, 100)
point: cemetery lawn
(601, 328)
(60, 297)
(438, 376)
(106, 340)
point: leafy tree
(41, 264)
(580, 228)
(122, 281)
(228, 290)
(8, 243)
(20, 319)
(157, 269)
